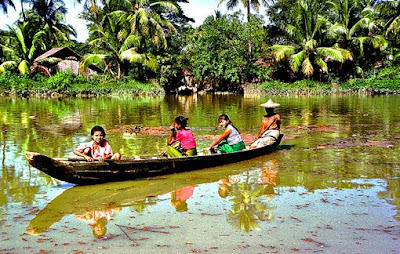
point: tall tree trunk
(248, 41)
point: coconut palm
(21, 48)
(147, 21)
(117, 45)
(5, 3)
(302, 48)
(50, 16)
(390, 14)
(349, 29)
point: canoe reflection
(98, 204)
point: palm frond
(132, 40)
(147, 60)
(7, 65)
(281, 52)
(336, 30)
(23, 67)
(97, 60)
(296, 60)
(321, 63)
(168, 5)
(307, 67)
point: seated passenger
(270, 126)
(98, 148)
(230, 140)
(179, 133)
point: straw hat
(270, 104)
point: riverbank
(386, 81)
(67, 85)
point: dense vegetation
(306, 45)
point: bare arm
(222, 137)
(88, 158)
(171, 138)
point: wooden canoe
(79, 171)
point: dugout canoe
(81, 172)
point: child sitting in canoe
(97, 149)
(179, 133)
(230, 140)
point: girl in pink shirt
(184, 136)
(98, 148)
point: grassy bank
(383, 81)
(66, 84)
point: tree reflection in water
(246, 194)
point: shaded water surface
(333, 185)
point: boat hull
(81, 172)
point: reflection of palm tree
(247, 208)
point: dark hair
(226, 117)
(97, 128)
(182, 121)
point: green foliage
(218, 50)
(67, 84)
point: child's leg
(116, 156)
(172, 152)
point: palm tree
(348, 29)
(117, 44)
(21, 47)
(302, 48)
(390, 12)
(5, 3)
(147, 21)
(50, 15)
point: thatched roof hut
(58, 59)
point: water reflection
(98, 219)
(246, 192)
(332, 145)
(180, 196)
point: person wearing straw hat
(270, 126)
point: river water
(332, 186)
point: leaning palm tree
(302, 48)
(21, 48)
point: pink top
(100, 152)
(184, 193)
(186, 138)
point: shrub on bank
(386, 80)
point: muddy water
(333, 186)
